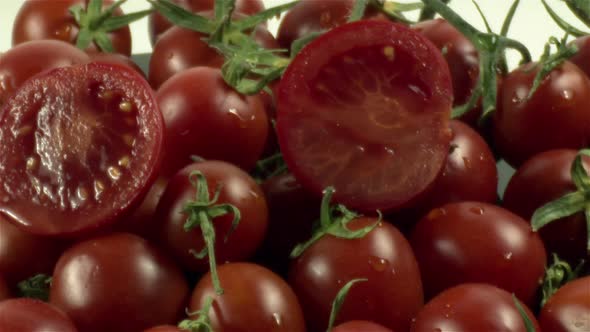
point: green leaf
(77, 12)
(358, 10)
(528, 324)
(97, 21)
(94, 8)
(182, 17)
(117, 22)
(254, 20)
(339, 300)
(427, 13)
(483, 17)
(104, 42)
(562, 23)
(459, 111)
(223, 8)
(565, 206)
(551, 61)
(85, 38)
(579, 175)
(300, 43)
(580, 8)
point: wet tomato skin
(5, 292)
(554, 117)
(391, 297)
(76, 187)
(255, 299)
(238, 189)
(28, 315)
(472, 307)
(544, 178)
(38, 20)
(580, 59)
(206, 117)
(360, 326)
(568, 309)
(23, 61)
(123, 271)
(478, 242)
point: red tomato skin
(544, 178)
(472, 307)
(554, 117)
(568, 309)
(478, 242)
(255, 299)
(197, 123)
(158, 24)
(580, 59)
(143, 221)
(5, 292)
(28, 315)
(391, 297)
(119, 271)
(118, 59)
(238, 189)
(39, 19)
(24, 61)
(164, 328)
(360, 326)
(303, 104)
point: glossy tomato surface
(5, 292)
(38, 19)
(28, 315)
(555, 117)
(236, 188)
(118, 59)
(478, 242)
(581, 58)
(118, 282)
(255, 299)
(391, 296)
(472, 307)
(360, 326)
(568, 309)
(205, 117)
(365, 108)
(544, 178)
(23, 61)
(164, 328)
(80, 147)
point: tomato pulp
(365, 108)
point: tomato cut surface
(365, 108)
(79, 146)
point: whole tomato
(568, 309)
(28, 315)
(5, 292)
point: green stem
(427, 13)
(209, 237)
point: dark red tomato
(28, 315)
(473, 307)
(392, 295)
(24, 255)
(568, 309)
(581, 58)
(365, 108)
(157, 24)
(360, 326)
(38, 19)
(23, 61)
(555, 117)
(255, 299)
(462, 58)
(544, 178)
(164, 328)
(238, 189)
(80, 147)
(478, 242)
(118, 282)
(206, 117)
(179, 49)
(5, 292)
(118, 59)
(143, 220)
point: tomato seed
(124, 162)
(32, 163)
(125, 106)
(114, 173)
(389, 53)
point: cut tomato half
(365, 108)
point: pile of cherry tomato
(340, 176)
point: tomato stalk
(333, 221)
(339, 301)
(562, 23)
(202, 323)
(427, 13)
(201, 213)
(528, 324)
(557, 275)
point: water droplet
(467, 163)
(277, 319)
(508, 255)
(567, 94)
(389, 151)
(448, 305)
(515, 100)
(253, 193)
(360, 148)
(436, 213)
(477, 210)
(378, 264)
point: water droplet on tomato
(508, 256)
(253, 193)
(477, 210)
(436, 213)
(467, 163)
(277, 319)
(378, 264)
(567, 94)
(63, 32)
(389, 151)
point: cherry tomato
(118, 271)
(23, 61)
(554, 117)
(255, 299)
(462, 58)
(580, 59)
(24, 255)
(164, 328)
(5, 292)
(206, 117)
(472, 307)
(38, 20)
(478, 242)
(360, 326)
(28, 315)
(179, 49)
(80, 147)
(365, 108)
(568, 309)
(118, 59)
(236, 188)
(391, 296)
(143, 220)
(544, 178)
(158, 24)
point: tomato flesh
(79, 147)
(365, 108)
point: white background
(531, 25)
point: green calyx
(36, 287)
(202, 323)
(339, 301)
(571, 203)
(201, 212)
(95, 23)
(491, 48)
(557, 275)
(528, 323)
(333, 221)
